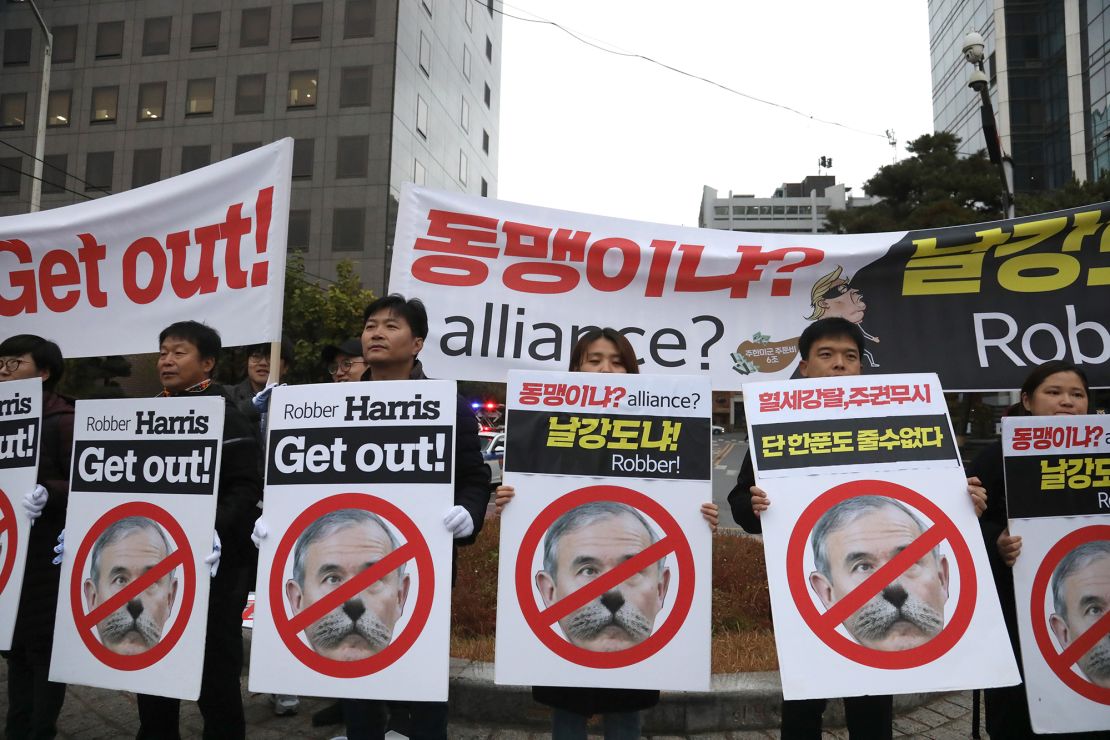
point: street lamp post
(44, 96)
(973, 52)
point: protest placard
(20, 425)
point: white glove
(213, 560)
(261, 400)
(60, 548)
(34, 501)
(458, 522)
(261, 532)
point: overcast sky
(590, 131)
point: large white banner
(878, 577)
(133, 601)
(20, 434)
(1058, 502)
(207, 245)
(605, 574)
(354, 580)
(986, 300)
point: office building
(795, 207)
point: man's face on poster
(136, 626)
(362, 625)
(907, 612)
(623, 616)
(1086, 593)
(846, 303)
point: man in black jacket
(187, 356)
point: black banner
(19, 443)
(572, 443)
(182, 466)
(805, 444)
(357, 454)
(1075, 484)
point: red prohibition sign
(824, 624)
(414, 548)
(182, 556)
(541, 621)
(1061, 663)
(8, 526)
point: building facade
(375, 93)
(794, 208)
(1047, 69)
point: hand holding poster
(604, 575)
(133, 601)
(1058, 502)
(354, 578)
(20, 422)
(873, 549)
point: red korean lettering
(459, 239)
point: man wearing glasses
(344, 362)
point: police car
(493, 453)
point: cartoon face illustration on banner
(587, 542)
(1080, 589)
(854, 539)
(124, 552)
(330, 552)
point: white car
(717, 429)
(493, 453)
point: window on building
(146, 167)
(206, 31)
(485, 188)
(464, 167)
(109, 40)
(302, 89)
(200, 96)
(421, 117)
(250, 94)
(254, 27)
(489, 49)
(54, 173)
(358, 19)
(464, 115)
(805, 210)
(65, 45)
(778, 210)
(152, 101)
(425, 55)
(57, 108)
(242, 147)
(13, 110)
(721, 211)
(468, 13)
(17, 47)
(348, 227)
(304, 158)
(299, 222)
(195, 156)
(792, 210)
(307, 20)
(354, 87)
(466, 62)
(104, 100)
(352, 155)
(419, 174)
(485, 141)
(11, 175)
(98, 170)
(156, 36)
(487, 96)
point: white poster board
(605, 573)
(1058, 502)
(354, 580)
(863, 472)
(133, 601)
(20, 435)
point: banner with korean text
(604, 578)
(878, 577)
(20, 432)
(353, 596)
(986, 301)
(133, 601)
(1058, 501)
(207, 245)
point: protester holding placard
(1054, 388)
(187, 356)
(34, 702)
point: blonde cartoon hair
(823, 285)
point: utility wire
(44, 181)
(67, 173)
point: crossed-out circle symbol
(824, 624)
(541, 621)
(9, 526)
(182, 556)
(1061, 663)
(413, 548)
